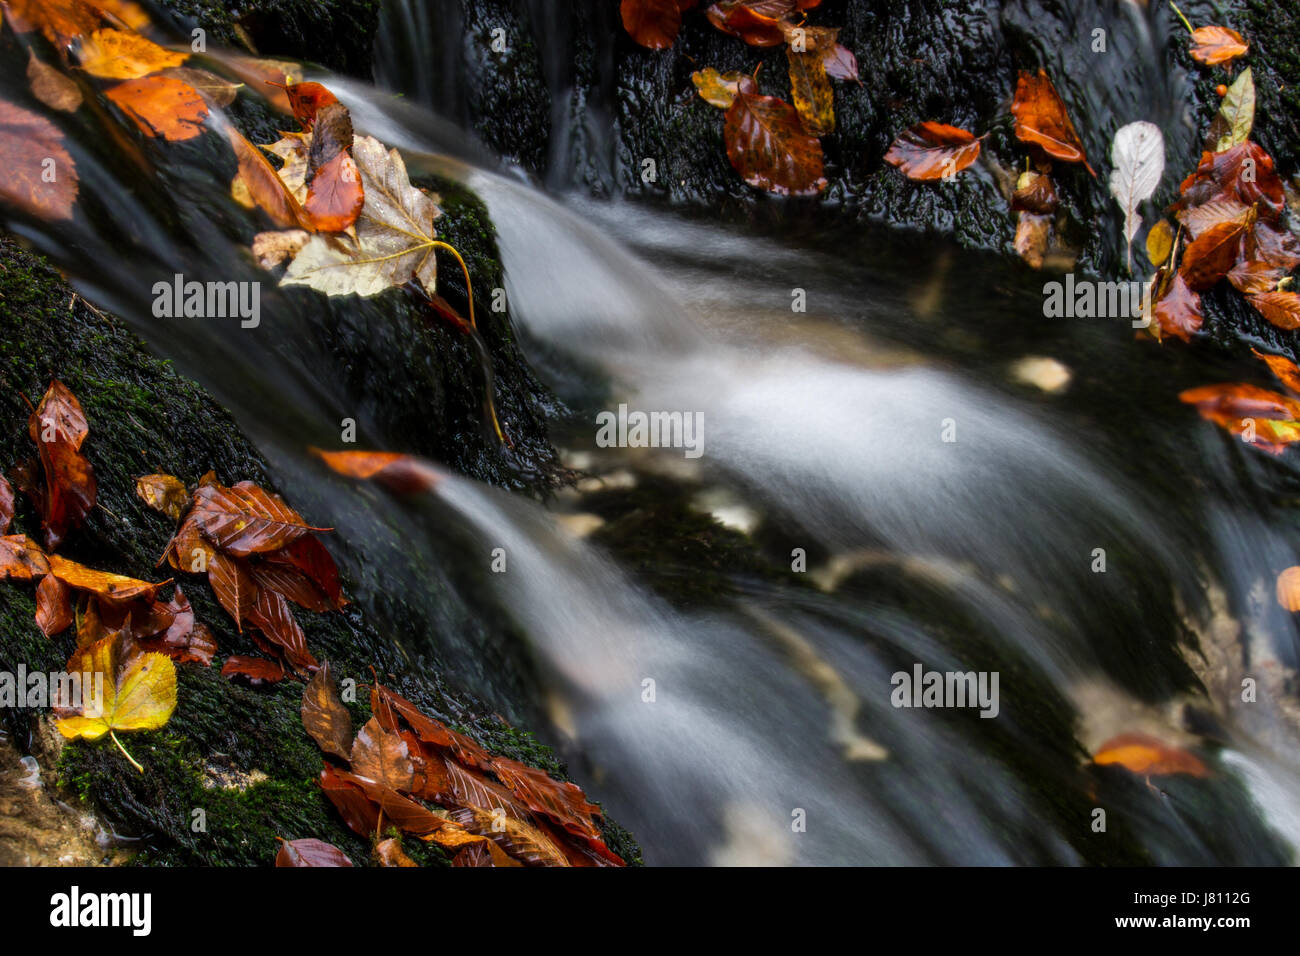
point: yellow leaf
(165, 493)
(139, 691)
(115, 55)
(1160, 242)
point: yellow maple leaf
(139, 691)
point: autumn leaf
(308, 557)
(53, 608)
(1215, 45)
(256, 670)
(139, 692)
(6, 504)
(324, 717)
(246, 519)
(402, 474)
(1148, 756)
(264, 187)
(1138, 156)
(1160, 243)
(1035, 193)
(292, 583)
(1236, 117)
(358, 811)
(233, 586)
(768, 146)
(1178, 311)
(1280, 308)
(61, 21)
(520, 840)
(309, 852)
(185, 640)
(1254, 278)
(51, 87)
(270, 614)
(1212, 254)
(1278, 248)
(216, 90)
(387, 705)
(164, 493)
(395, 239)
(1197, 219)
(31, 147)
(58, 426)
(1243, 172)
(389, 853)
(21, 558)
(654, 24)
(1273, 418)
(161, 106)
(335, 194)
(757, 22)
(1033, 234)
(117, 55)
(810, 88)
(563, 803)
(930, 151)
(483, 853)
(720, 89)
(1285, 370)
(1041, 119)
(113, 588)
(306, 100)
(383, 757)
(1288, 589)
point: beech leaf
(929, 151)
(1138, 155)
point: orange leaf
(116, 55)
(1288, 589)
(21, 558)
(1148, 756)
(1283, 368)
(1041, 118)
(403, 474)
(246, 519)
(233, 585)
(383, 757)
(1274, 419)
(930, 151)
(1215, 45)
(757, 22)
(324, 717)
(113, 588)
(256, 670)
(654, 24)
(1280, 308)
(768, 146)
(1212, 254)
(31, 148)
(389, 853)
(264, 185)
(62, 21)
(185, 640)
(161, 106)
(335, 196)
(53, 608)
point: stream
(757, 725)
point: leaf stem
(1181, 17)
(124, 753)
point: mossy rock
(236, 753)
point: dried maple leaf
(161, 106)
(53, 607)
(1148, 756)
(1280, 308)
(164, 493)
(394, 235)
(324, 717)
(117, 55)
(1215, 45)
(246, 519)
(31, 148)
(403, 474)
(1041, 119)
(139, 692)
(769, 147)
(309, 852)
(929, 151)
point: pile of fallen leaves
(772, 145)
(490, 810)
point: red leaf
(652, 23)
(270, 614)
(6, 504)
(309, 556)
(53, 606)
(930, 151)
(257, 670)
(1212, 254)
(403, 474)
(309, 852)
(233, 586)
(768, 146)
(1179, 310)
(1041, 119)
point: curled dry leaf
(118, 55)
(389, 853)
(402, 474)
(1280, 308)
(309, 852)
(930, 151)
(53, 607)
(1288, 589)
(161, 106)
(30, 147)
(324, 717)
(51, 87)
(1041, 119)
(1217, 45)
(164, 493)
(768, 145)
(112, 588)
(266, 189)
(1148, 756)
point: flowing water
(757, 726)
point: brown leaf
(521, 840)
(1212, 254)
(563, 803)
(654, 24)
(930, 151)
(185, 640)
(757, 22)
(1148, 756)
(1033, 233)
(335, 193)
(161, 106)
(308, 556)
(1280, 308)
(483, 853)
(472, 789)
(810, 88)
(51, 87)
(256, 670)
(310, 852)
(1178, 311)
(233, 586)
(264, 187)
(768, 146)
(40, 175)
(383, 757)
(402, 474)
(404, 813)
(53, 608)
(1277, 247)
(113, 588)
(292, 583)
(1214, 45)
(165, 493)
(270, 614)
(1041, 119)
(387, 705)
(1036, 193)
(6, 504)
(1273, 418)
(1243, 172)
(359, 812)
(246, 519)
(1253, 278)
(324, 716)
(389, 853)
(1197, 219)
(21, 558)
